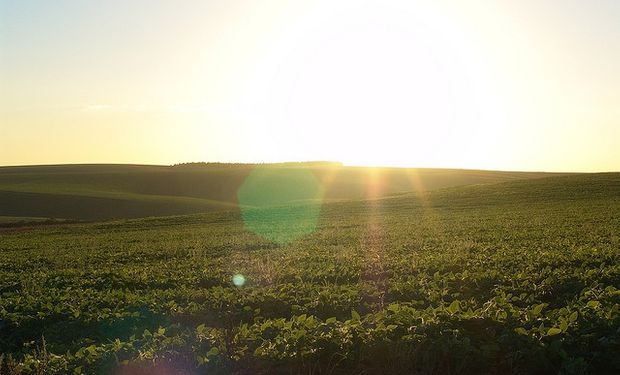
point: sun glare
(376, 87)
(418, 83)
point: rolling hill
(95, 192)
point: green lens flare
(280, 204)
(238, 280)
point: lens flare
(280, 204)
(238, 280)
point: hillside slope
(93, 192)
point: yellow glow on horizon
(402, 83)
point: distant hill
(107, 191)
(588, 187)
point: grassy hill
(517, 277)
(93, 192)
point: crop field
(95, 192)
(519, 276)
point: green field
(95, 192)
(514, 276)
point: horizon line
(308, 162)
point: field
(516, 276)
(95, 192)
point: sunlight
(374, 183)
(387, 86)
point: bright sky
(519, 85)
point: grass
(507, 278)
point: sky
(508, 85)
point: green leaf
(593, 304)
(502, 315)
(573, 317)
(553, 331)
(214, 351)
(201, 330)
(538, 309)
(355, 315)
(521, 330)
(454, 307)
(310, 322)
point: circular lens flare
(280, 204)
(238, 280)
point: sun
(380, 87)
